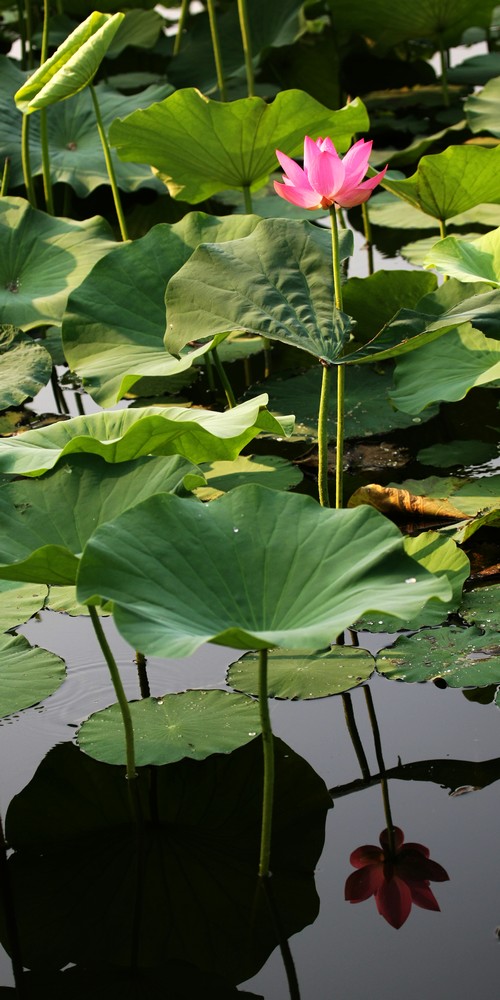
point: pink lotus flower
(396, 880)
(326, 178)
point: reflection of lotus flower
(326, 178)
(396, 880)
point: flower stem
(381, 766)
(248, 199)
(120, 693)
(367, 228)
(324, 406)
(109, 165)
(268, 751)
(337, 286)
(180, 27)
(216, 50)
(5, 177)
(444, 74)
(247, 45)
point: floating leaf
(269, 470)
(45, 523)
(42, 259)
(298, 674)
(463, 657)
(72, 66)
(27, 674)
(114, 325)
(296, 587)
(373, 301)
(481, 607)
(25, 367)
(191, 724)
(19, 602)
(201, 146)
(123, 435)
(469, 452)
(276, 282)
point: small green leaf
(298, 674)
(72, 66)
(478, 260)
(463, 657)
(25, 367)
(19, 602)
(27, 674)
(269, 470)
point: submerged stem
(268, 751)
(120, 693)
(109, 165)
(216, 50)
(247, 45)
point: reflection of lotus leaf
(184, 888)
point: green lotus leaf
(42, 259)
(19, 602)
(123, 435)
(25, 367)
(367, 407)
(277, 282)
(45, 523)
(191, 724)
(440, 556)
(454, 181)
(463, 657)
(27, 674)
(76, 154)
(452, 453)
(278, 571)
(477, 500)
(478, 260)
(269, 470)
(481, 607)
(476, 70)
(139, 28)
(481, 109)
(427, 376)
(298, 674)
(390, 23)
(114, 325)
(373, 301)
(385, 209)
(185, 891)
(200, 146)
(72, 66)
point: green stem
(247, 45)
(288, 963)
(367, 228)
(29, 32)
(181, 25)
(59, 397)
(248, 199)
(355, 737)
(216, 50)
(381, 765)
(5, 177)
(337, 286)
(22, 35)
(44, 138)
(226, 385)
(268, 751)
(26, 161)
(120, 693)
(442, 233)
(324, 406)
(109, 165)
(444, 74)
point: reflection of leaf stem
(109, 164)
(226, 385)
(354, 734)
(380, 761)
(216, 49)
(142, 674)
(10, 915)
(247, 45)
(120, 695)
(268, 751)
(286, 954)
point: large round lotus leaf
(482, 607)
(386, 209)
(463, 657)
(76, 153)
(192, 724)
(454, 181)
(277, 282)
(25, 367)
(298, 674)
(478, 260)
(201, 146)
(367, 407)
(19, 602)
(269, 470)
(481, 109)
(440, 556)
(390, 23)
(42, 259)
(72, 66)
(27, 674)
(277, 571)
(185, 890)
(476, 71)
(374, 300)
(115, 322)
(453, 453)
(123, 435)
(426, 376)
(44, 523)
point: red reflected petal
(363, 883)
(394, 901)
(422, 895)
(398, 838)
(366, 855)
(417, 868)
